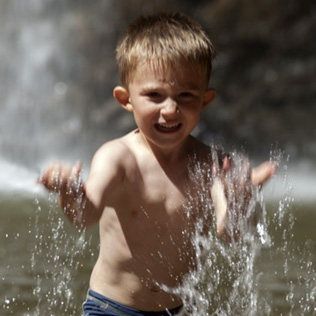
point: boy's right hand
(66, 182)
(60, 177)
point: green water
(46, 263)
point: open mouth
(168, 128)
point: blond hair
(164, 40)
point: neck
(171, 155)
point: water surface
(46, 263)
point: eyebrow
(150, 87)
(188, 86)
(191, 86)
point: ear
(209, 96)
(122, 97)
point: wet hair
(164, 40)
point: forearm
(78, 208)
(220, 206)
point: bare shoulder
(108, 169)
(113, 150)
(115, 154)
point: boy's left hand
(258, 176)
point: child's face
(167, 104)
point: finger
(45, 178)
(53, 177)
(263, 172)
(72, 176)
(77, 168)
(245, 171)
(220, 205)
(226, 163)
(74, 172)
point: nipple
(155, 289)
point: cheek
(147, 109)
(145, 114)
(192, 112)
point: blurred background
(57, 73)
(58, 70)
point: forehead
(149, 74)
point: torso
(145, 237)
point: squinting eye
(154, 95)
(186, 95)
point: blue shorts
(99, 305)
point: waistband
(125, 310)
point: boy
(139, 185)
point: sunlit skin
(138, 186)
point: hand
(258, 175)
(65, 181)
(237, 185)
(59, 177)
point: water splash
(60, 255)
(264, 272)
(227, 279)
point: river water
(45, 263)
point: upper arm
(105, 176)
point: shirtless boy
(138, 185)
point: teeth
(168, 127)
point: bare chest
(158, 190)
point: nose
(170, 107)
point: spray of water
(225, 280)
(229, 277)
(61, 254)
